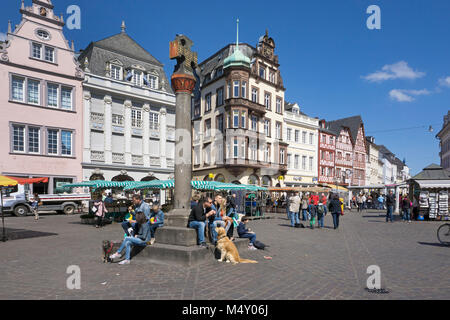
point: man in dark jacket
(336, 210)
(197, 219)
(390, 201)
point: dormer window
(116, 72)
(137, 77)
(153, 81)
(44, 35)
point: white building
(129, 112)
(301, 133)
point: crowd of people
(314, 207)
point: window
(243, 119)
(208, 102)
(208, 128)
(303, 162)
(304, 137)
(66, 98)
(235, 119)
(220, 123)
(33, 91)
(278, 130)
(296, 159)
(267, 127)
(310, 163)
(137, 77)
(279, 105)
(136, 118)
(52, 141)
(152, 81)
(272, 76)
(235, 147)
(36, 50)
(267, 100)
(44, 35)
(262, 72)
(289, 160)
(254, 123)
(242, 149)
(33, 140)
(255, 95)
(116, 72)
(288, 134)
(296, 135)
(332, 140)
(236, 89)
(267, 153)
(311, 138)
(229, 90)
(117, 119)
(219, 154)
(17, 89)
(49, 54)
(244, 89)
(154, 120)
(66, 143)
(282, 156)
(253, 150)
(219, 100)
(52, 95)
(18, 138)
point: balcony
(155, 161)
(137, 160)
(236, 102)
(98, 156)
(118, 157)
(97, 121)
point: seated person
(129, 226)
(156, 221)
(243, 232)
(140, 239)
(215, 220)
(197, 219)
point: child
(321, 211)
(35, 206)
(313, 212)
(243, 232)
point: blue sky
(331, 63)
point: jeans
(304, 214)
(320, 219)
(153, 228)
(128, 242)
(389, 213)
(250, 236)
(406, 214)
(312, 222)
(212, 229)
(380, 205)
(336, 220)
(200, 227)
(294, 218)
(360, 207)
(126, 225)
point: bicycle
(443, 234)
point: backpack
(259, 245)
(320, 209)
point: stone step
(176, 236)
(178, 255)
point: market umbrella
(5, 182)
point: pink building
(41, 100)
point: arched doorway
(253, 179)
(149, 178)
(122, 177)
(266, 181)
(236, 182)
(96, 176)
(219, 178)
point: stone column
(127, 135)
(163, 137)
(146, 135)
(108, 129)
(87, 127)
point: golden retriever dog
(228, 250)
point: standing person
(304, 208)
(141, 239)
(100, 211)
(294, 208)
(321, 210)
(360, 202)
(313, 212)
(390, 201)
(380, 202)
(369, 202)
(364, 201)
(415, 206)
(336, 210)
(35, 206)
(406, 206)
(197, 219)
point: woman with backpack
(321, 211)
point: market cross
(180, 49)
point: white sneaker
(152, 241)
(124, 261)
(252, 248)
(115, 255)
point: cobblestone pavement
(306, 264)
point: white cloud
(399, 70)
(402, 95)
(445, 82)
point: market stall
(4, 182)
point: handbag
(94, 209)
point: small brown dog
(228, 250)
(107, 247)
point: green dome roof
(237, 58)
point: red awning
(29, 180)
